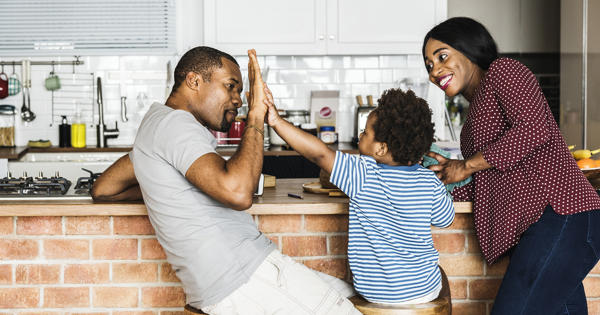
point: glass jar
(7, 126)
(274, 138)
(327, 134)
(298, 117)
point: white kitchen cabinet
(320, 27)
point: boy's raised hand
(273, 117)
(256, 90)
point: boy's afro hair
(404, 124)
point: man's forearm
(129, 194)
(247, 161)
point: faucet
(103, 133)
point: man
(225, 264)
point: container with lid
(7, 126)
(298, 117)
(274, 138)
(327, 134)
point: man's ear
(382, 149)
(192, 80)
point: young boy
(393, 200)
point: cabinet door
(273, 27)
(381, 26)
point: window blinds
(55, 27)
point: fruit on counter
(584, 154)
(587, 163)
(571, 147)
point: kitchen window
(68, 27)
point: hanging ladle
(26, 113)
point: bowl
(593, 175)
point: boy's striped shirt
(392, 208)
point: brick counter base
(114, 265)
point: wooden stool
(440, 306)
(190, 310)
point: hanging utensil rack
(75, 62)
(76, 93)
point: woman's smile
(444, 81)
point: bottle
(78, 132)
(64, 133)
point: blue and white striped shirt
(392, 208)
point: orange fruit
(586, 163)
(597, 163)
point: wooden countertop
(18, 152)
(273, 201)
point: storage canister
(7, 126)
(327, 134)
(298, 117)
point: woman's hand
(449, 171)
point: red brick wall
(115, 266)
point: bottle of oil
(78, 132)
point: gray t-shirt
(212, 248)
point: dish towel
(427, 161)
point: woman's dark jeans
(548, 265)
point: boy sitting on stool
(393, 199)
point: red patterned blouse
(510, 121)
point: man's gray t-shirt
(212, 248)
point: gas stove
(42, 188)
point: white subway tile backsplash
(392, 61)
(335, 62)
(415, 61)
(373, 76)
(366, 89)
(351, 76)
(365, 62)
(308, 62)
(279, 62)
(294, 76)
(291, 79)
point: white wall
(291, 79)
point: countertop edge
(136, 208)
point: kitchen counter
(273, 201)
(18, 152)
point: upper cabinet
(320, 27)
(518, 26)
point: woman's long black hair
(469, 37)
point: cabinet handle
(321, 37)
(331, 37)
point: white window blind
(54, 27)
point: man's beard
(225, 125)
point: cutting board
(316, 188)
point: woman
(529, 197)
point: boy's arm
(443, 207)
(302, 142)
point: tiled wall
(115, 266)
(291, 79)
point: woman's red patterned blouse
(510, 121)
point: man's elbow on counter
(97, 194)
(240, 201)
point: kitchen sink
(68, 165)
